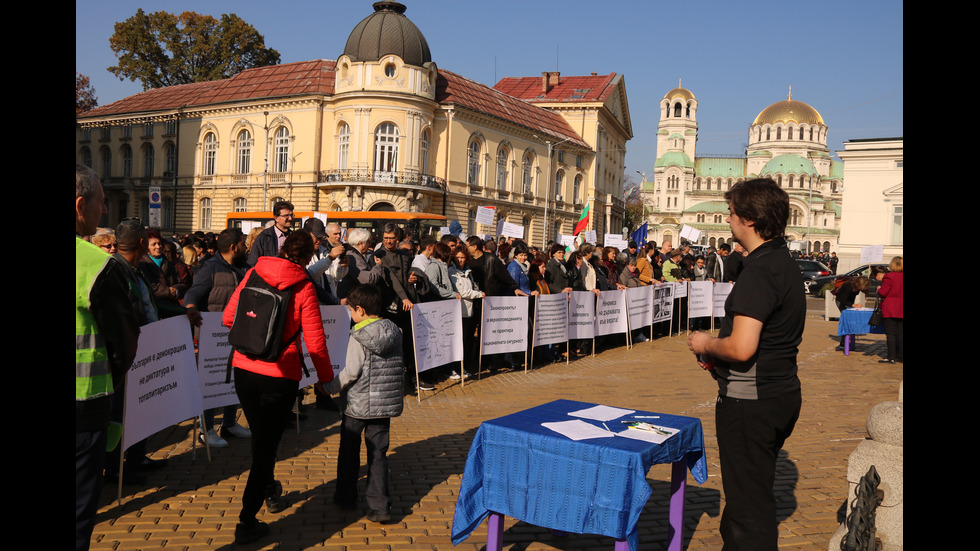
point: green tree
(635, 213)
(84, 94)
(163, 49)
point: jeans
(376, 433)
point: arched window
(473, 163)
(87, 157)
(127, 155)
(779, 133)
(241, 204)
(677, 109)
(502, 168)
(106, 163)
(210, 154)
(386, 148)
(148, 156)
(244, 152)
(206, 213)
(343, 146)
(526, 174)
(790, 181)
(281, 163)
(687, 112)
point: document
(577, 430)
(601, 413)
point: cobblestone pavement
(193, 503)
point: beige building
(873, 204)
(380, 128)
(787, 142)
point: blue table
(854, 321)
(518, 468)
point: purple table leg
(495, 532)
(621, 545)
(678, 487)
(847, 344)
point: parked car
(811, 270)
(864, 270)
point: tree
(635, 213)
(163, 49)
(84, 94)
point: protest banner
(581, 315)
(484, 215)
(639, 303)
(680, 289)
(567, 240)
(872, 253)
(663, 303)
(213, 350)
(700, 303)
(550, 319)
(615, 240)
(590, 236)
(162, 388)
(610, 313)
(438, 333)
(511, 230)
(719, 295)
(504, 325)
(336, 329)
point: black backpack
(260, 320)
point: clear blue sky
(844, 58)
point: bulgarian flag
(583, 221)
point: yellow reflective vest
(93, 378)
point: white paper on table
(601, 413)
(648, 435)
(577, 430)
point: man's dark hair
(128, 234)
(476, 241)
(229, 238)
(426, 241)
(85, 180)
(763, 202)
(725, 247)
(367, 297)
(280, 205)
(391, 227)
(297, 246)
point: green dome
(674, 158)
(788, 164)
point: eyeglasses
(108, 246)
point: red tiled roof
(455, 89)
(568, 89)
(288, 79)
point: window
(473, 164)
(87, 157)
(343, 146)
(106, 133)
(386, 148)
(148, 155)
(171, 127)
(578, 161)
(677, 109)
(717, 219)
(577, 189)
(170, 154)
(127, 131)
(424, 150)
(559, 182)
(502, 169)
(244, 156)
(241, 204)
(210, 154)
(282, 150)
(106, 163)
(700, 218)
(148, 129)
(898, 221)
(526, 174)
(127, 153)
(206, 213)
(390, 70)
(561, 156)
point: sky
(843, 58)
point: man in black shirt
(754, 361)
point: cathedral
(787, 142)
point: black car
(811, 270)
(863, 270)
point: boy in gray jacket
(373, 384)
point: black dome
(387, 31)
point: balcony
(404, 178)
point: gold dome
(789, 111)
(679, 92)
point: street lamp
(547, 191)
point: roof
(788, 163)
(724, 167)
(274, 81)
(569, 89)
(388, 31)
(455, 89)
(674, 158)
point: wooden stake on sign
(415, 354)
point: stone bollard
(884, 450)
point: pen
(646, 417)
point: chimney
(549, 79)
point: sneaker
(456, 376)
(236, 431)
(641, 338)
(247, 532)
(379, 517)
(426, 386)
(213, 440)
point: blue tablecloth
(854, 321)
(523, 470)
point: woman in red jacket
(892, 311)
(267, 390)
